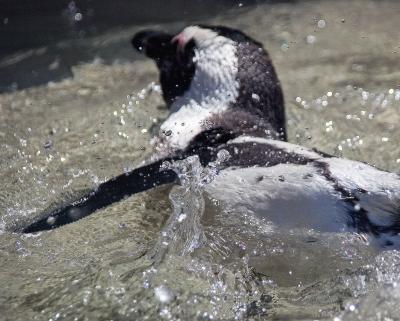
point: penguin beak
(154, 44)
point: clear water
(174, 254)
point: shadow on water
(41, 41)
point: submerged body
(293, 187)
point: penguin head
(190, 62)
(215, 64)
(174, 61)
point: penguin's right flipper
(138, 180)
(114, 190)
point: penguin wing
(138, 180)
(111, 191)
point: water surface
(339, 66)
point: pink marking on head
(180, 40)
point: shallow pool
(339, 65)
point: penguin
(224, 96)
(204, 72)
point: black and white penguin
(223, 94)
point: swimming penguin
(204, 72)
(224, 95)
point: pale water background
(340, 70)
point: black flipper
(138, 180)
(114, 190)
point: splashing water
(183, 232)
(227, 293)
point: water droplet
(310, 39)
(321, 24)
(78, 16)
(255, 97)
(48, 144)
(284, 47)
(51, 220)
(182, 217)
(163, 294)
